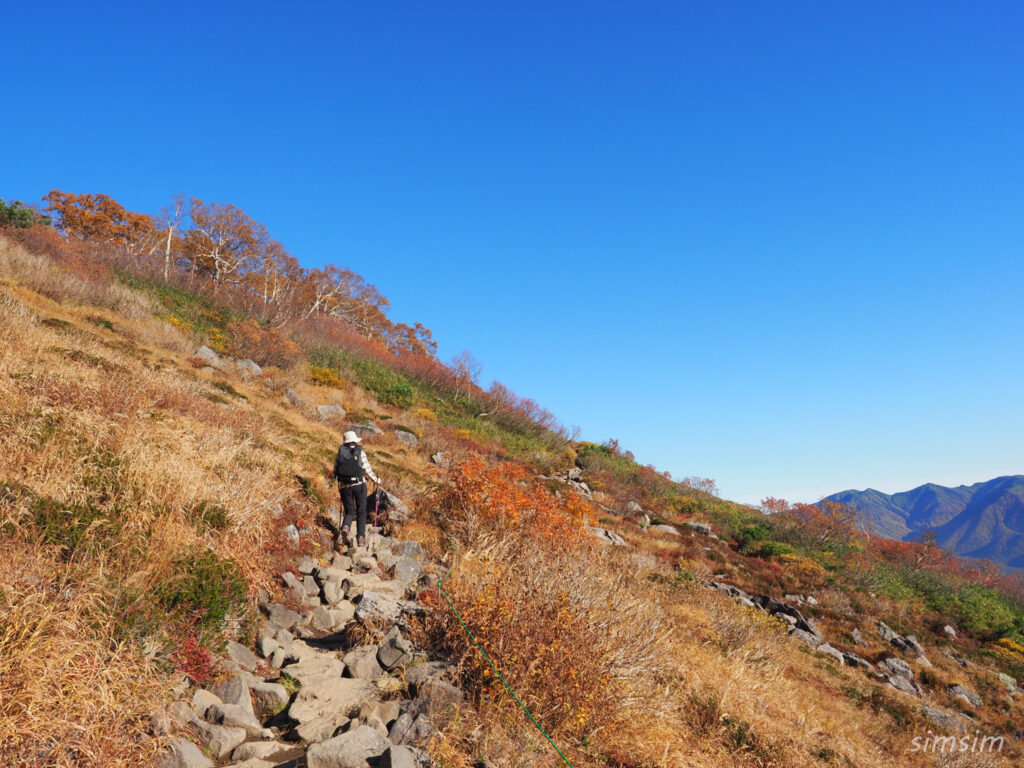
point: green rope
(440, 591)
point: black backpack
(347, 467)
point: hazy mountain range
(981, 520)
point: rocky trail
(318, 691)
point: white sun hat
(350, 437)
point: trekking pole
(376, 506)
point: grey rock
(349, 750)
(234, 690)
(833, 652)
(853, 660)
(409, 728)
(285, 618)
(1009, 682)
(171, 718)
(268, 697)
(949, 632)
(798, 599)
(234, 716)
(342, 614)
(805, 637)
(404, 757)
(321, 620)
(321, 728)
(323, 689)
(632, 508)
(898, 667)
(945, 720)
(273, 751)
(330, 411)
(182, 753)
(369, 429)
(702, 528)
(669, 529)
(278, 658)
(291, 533)
(333, 592)
(306, 565)
(606, 536)
(437, 699)
(248, 367)
(242, 656)
(362, 664)
(292, 397)
(408, 438)
(441, 460)
(374, 607)
(969, 696)
(208, 356)
(894, 639)
(418, 674)
(857, 637)
(914, 645)
(811, 600)
(202, 700)
(395, 650)
(266, 644)
(407, 570)
(901, 683)
(412, 550)
(218, 740)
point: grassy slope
(143, 500)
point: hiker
(351, 467)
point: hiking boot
(344, 537)
(361, 542)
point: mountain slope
(981, 520)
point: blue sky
(776, 244)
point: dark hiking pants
(353, 501)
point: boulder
(903, 684)
(330, 411)
(242, 656)
(409, 728)
(285, 618)
(208, 356)
(404, 757)
(606, 536)
(857, 639)
(217, 740)
(894, 639)
(268, 697)
(235, 690)
(293, 398)
(833, 652)
(412, 550)
(369, 429)
(1009, 682)
(349, 750)
(374, 607)
(632, 508)
(321, 728)
(804, 637)
(234, 716)
(273, 751)
(964, 694)
(362, 664)
(202, 700)
(342, 696)
(407, 570)
(182, 753)
(321, 619)
(671, 530)
(702, 528)
(248, 368)
(441, 460)
(945, 720)
(914, 645)
(897, 667)
(853, 660)
(949, 632)
(407, 438)
(395, 650)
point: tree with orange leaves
(99, 217)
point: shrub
(203, 590)
(325, 377)
(263, 345)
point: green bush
(203, 590)
(70, 527)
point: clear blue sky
(780, 244)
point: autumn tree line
(219, 250)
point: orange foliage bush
(266, 346)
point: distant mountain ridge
(981, 520)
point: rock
(811, 600)
(949, 632)
(805, 637)
(703, 528)
(376, 607)
(292, 397)
(944, 720)
(333, 593)
(321, 620)
(404, 757)
(441, 460)
(386, 711)
(249, 368)
(349, 750)
(202, 700)
(669, 529)
(1009, 682)
(437, 699)
(399, 512)
(408, 438)
(235, 690)
(362, 664)
(632, 508)
(959, 692)
(412, 550)
(355, 584)
(798, 599)
(418, 674)
(407, 570)
(896, 640)
(285, 618)
(896, 666)
(901, 683)
(342, 614)
(330, 411)
(321, 728)
(218, 740)
(291, 533)
(395, 650)
(644, 521)
(857, 639)
(242, 656)
(369, 429)
(171, 718)
(266, 644)
(268, 697)
(208, 356)
(182, 753)
(273, 751)
(915, 646)
(833, 652)
(606, 536)
(853, 660)
(409, 728)
(234, 716)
